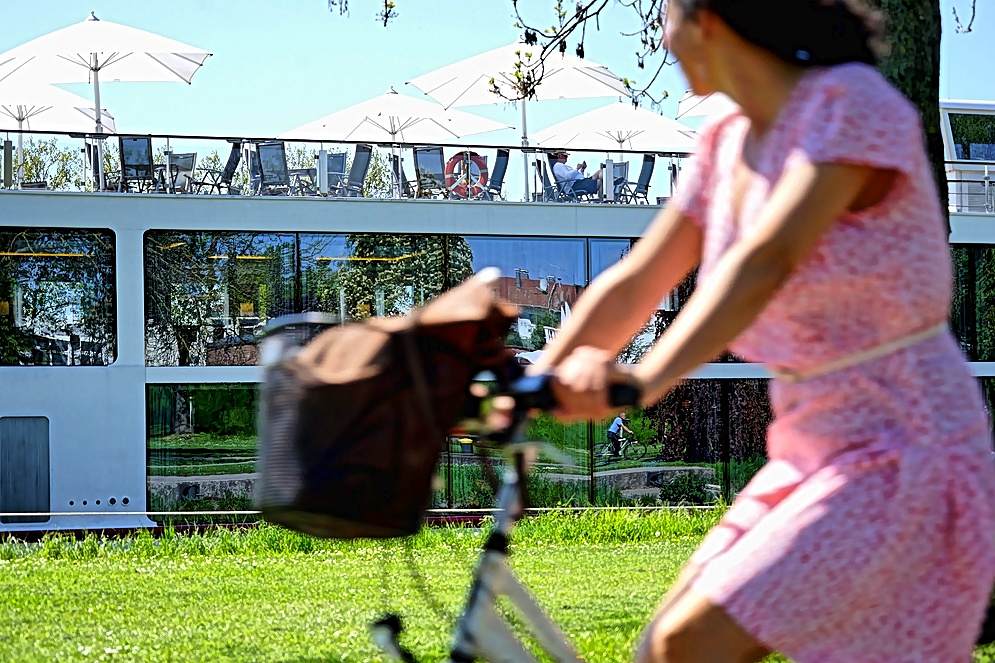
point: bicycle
(481, 633)
(629, 449)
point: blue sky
(278, 64)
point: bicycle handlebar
(535, 392)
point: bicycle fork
(481, 633)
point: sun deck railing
(254, 165)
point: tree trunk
(913, 66)
(181, 414)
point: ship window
(57, 297)
(973, 136)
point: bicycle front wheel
(635, 450)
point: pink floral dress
(870, 534)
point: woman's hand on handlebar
(580, 383)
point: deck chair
(353, 186)
(563, 191)
(336, 169)
(111, 179)
(496, 181)
(137, 170)
(303, 182)
(402, 179)
(274, 178)
(430, 169)
(638, 191)
(549, 190)
(182, 167)
(218, 181)
(254, 169)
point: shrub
(685, 488)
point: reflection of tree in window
(973, 136)
(391, 274)
(56, 297)
(209, 294)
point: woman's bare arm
(619, 302)
(803, 206)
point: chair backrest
(234, 157)
(496, 180)
(400, 177)
(252, 162)
(548, 189)
(431, 168)
(336, 169)
(360, 166)
(136, 157)
(184, 164)
(645, 174)
(621, 169)
(273, 164)
(551, 160)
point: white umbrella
(469, 82)
(619, 126)
(87, 51)
(394, 118)
(44, 108)
(692, 105)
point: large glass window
(973, 136)
(209, 295)
(543, 276)
(676, 449)
(973, 314)
(57, 297)
(201, 447)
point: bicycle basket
(352, 424)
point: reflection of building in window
(524, 327)
(546, 293)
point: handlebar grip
(622, 395)
(535, 392)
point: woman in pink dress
(812, 214)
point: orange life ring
(456, 179)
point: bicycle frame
(481, 633)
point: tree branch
(960, 27)
(555, 38)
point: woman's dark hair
(803, 32)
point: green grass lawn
(200, 468)
(204, 441)
(270, 595)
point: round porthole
(84, 502)
(97, 502)
(71, 503)
(124, 501)
(112, 501)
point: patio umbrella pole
(20, 153)
(525, 154)
(99, 167)
(395, 169)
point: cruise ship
(129, 326)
